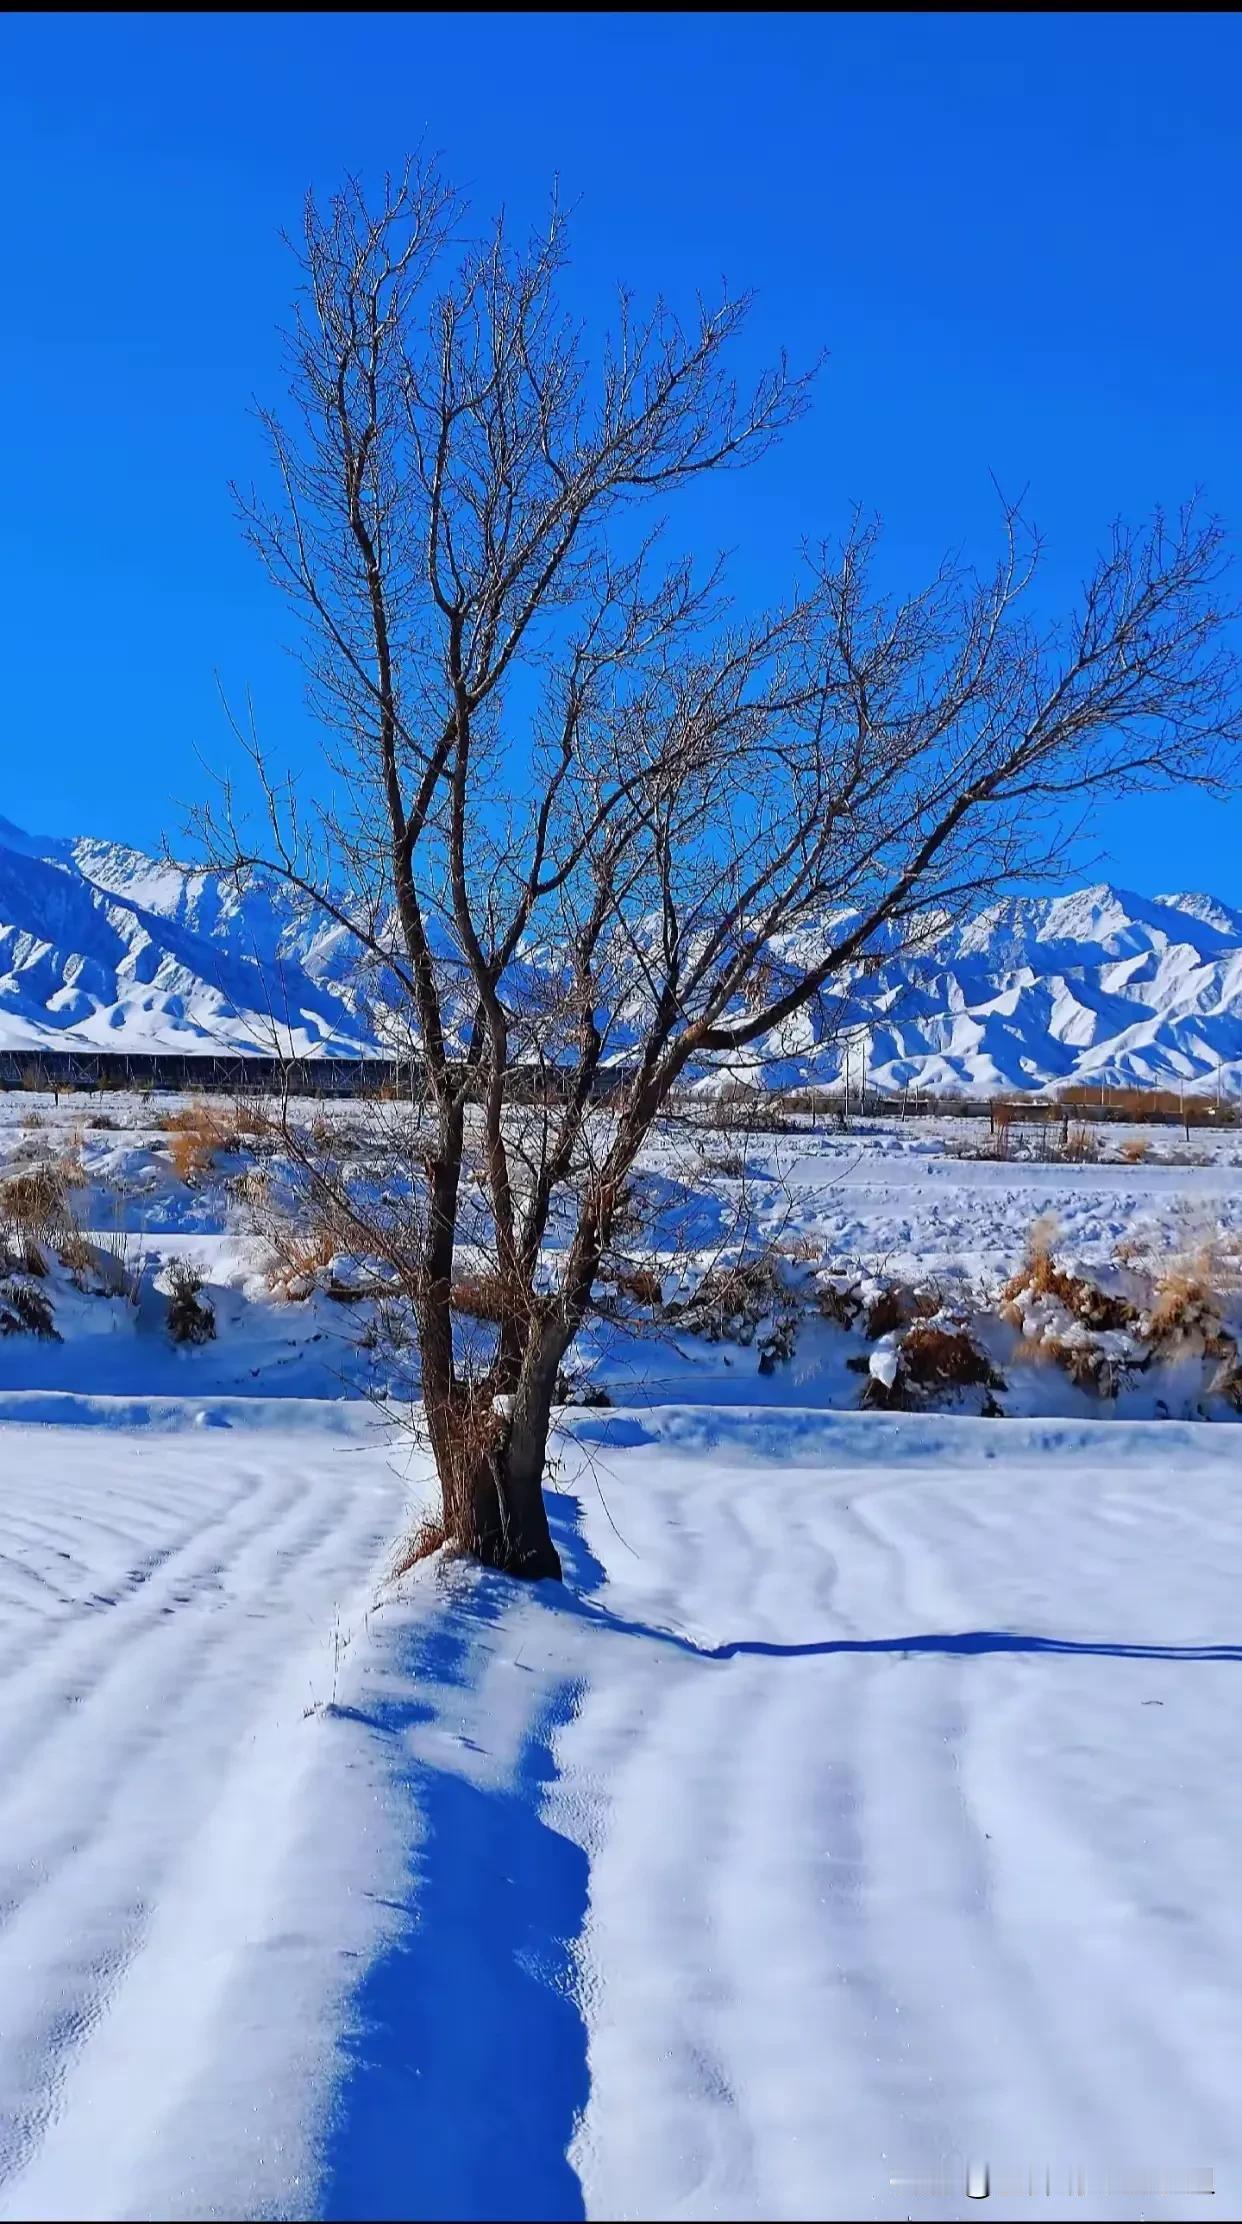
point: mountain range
(103, 947)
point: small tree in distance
(589, 811)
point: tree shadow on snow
(936, 1641)
(467, 2056)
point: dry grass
(897, 1306)
(934, 1359)
(836, 1304)
(428, 1537)
(1188, 1298)
(642, 1284)
(887, 1312)
(1080, 1145)
(803, 1250)
(251, 1120)
(730, 1301)
(195, 1135)
(484, 1297)
(1040, 1276)
(35, 1202)
(939, 1358)
(297, 1255)
(26, 1310)
(1134, 1150)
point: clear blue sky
(1018, 237)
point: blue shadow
(466, 2063)
(963, 1641)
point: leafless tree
(587, 818)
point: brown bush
(26, 1310)
(484, 1297)
(893, 1308)
(1040, 1276)
(1079, 1144)
(836, 1304)
(195, 1135)
(934, 1359)
(35, 1202)
(641, 1283)
(250, 1119)
(1188, 1298)
(1134, 1150)
(946, 1358)
(730, 1301)
(1088, 1367)
(297, 1254)
(803, 1250)
(430, 1535)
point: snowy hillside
(101, 946)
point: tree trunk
(491, 1469)
(530, 1550)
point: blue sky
(1017, 237)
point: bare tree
(589, 820)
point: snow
(104, 948)
(863, 1807)
(169, 1608)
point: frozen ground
(864, 1808)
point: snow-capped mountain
(1097, 985)
(103, 947)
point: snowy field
(864, 1810)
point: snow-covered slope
(102, 946)
(1096, 985)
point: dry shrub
(1079, 1144)
(36, 1201)
(429, 1536)
(837, 1304)
(1040, 1276)
(484, 1297)
(1134, 1150)
(191, 1319)
(897, 1306)
(251, 1120)
(75, 1253)
(195, 1135)
(803, 1250)
(938, 1358)
(1188, 1299)
(297, 1255)
(26, 1310)
(729, 1165)
(251, 1188)
(889, 1311)
(934, 1359)
(730, 1301)
(641, 1283)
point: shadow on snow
(466, 2060)
(963, 1641)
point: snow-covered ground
(863, 1809)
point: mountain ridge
(103, 947)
